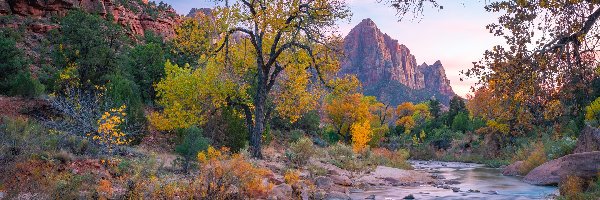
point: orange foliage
(361, 135)
(220, 172)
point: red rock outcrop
(585, 165)
(133, 15)
(589, 140)
(435, 78)
(379, 60)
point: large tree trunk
(259, 115)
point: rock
(371, 197)
(410, 196)
(455, 189)
(585, 165)
(589, 140)
(129, 16)
(512, 169)
(283, 191)
(336, 196)
(378, 59)
(473, 191)
(341, 180)
(388, 176)
(42, 28)
(323, 182)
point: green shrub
(192, 143)
(122, 91)
(300, 152)
(26, 86)
(296, 135)
(236, 131)
(16, 79)
(560, 147)
(343, 156)
(19, 137)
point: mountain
(388, 70)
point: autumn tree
(277, 56)
(345, 111)
(558, 63)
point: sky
(455, 35)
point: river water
(469, 181)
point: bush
(560, 147)
(26, 86)
(343, 156)
(16, 79)
(572, 187)
(19, 137)
(122, 91)
(536, 158)
(192, 143)
(300, 152)
(385, 157)
(225, 176)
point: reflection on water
(490, 183)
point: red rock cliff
(133, 15)
(377, 59)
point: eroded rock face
(377, 59)
(585, 165)
(132, 17)
(434, 77)
(589, 140)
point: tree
(271, 51)
(457, 105)
(91, 45)
(345, 111)
(146, 65)
(559, 64)
(435, 108)
(361, 135)
(16, 78)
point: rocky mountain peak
(378, 59)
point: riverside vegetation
(245, 102)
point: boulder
(341, 180)
(513, 169)
(323, 182)
(585, 165)
(589, 140)
(283, 191)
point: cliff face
(376, 57)
(131, 14)
(382, 64)
(435, 78)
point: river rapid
(462, 181)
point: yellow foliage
(291, 177)
(503, 128)
(361, 135)
(109, 130)
(536, 158)
(592, 113)
(344, 111)
(407, 122)
(188, 94)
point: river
(467, 181)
